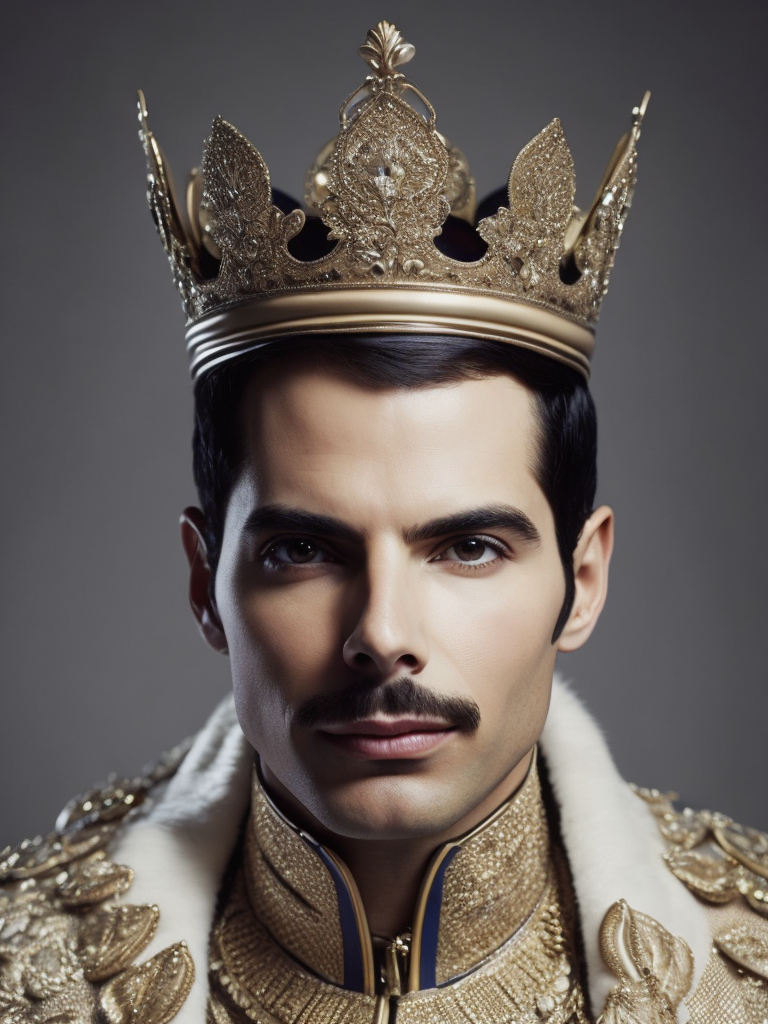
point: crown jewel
(384, 189)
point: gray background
(101, 666)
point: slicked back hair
(565, 465)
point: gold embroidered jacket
(127, 911)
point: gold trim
(366, 946)
(414, 971)
(409, 310)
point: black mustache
(400, 697)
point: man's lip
(388, 740)
(387, 727)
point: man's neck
(491, 912)
(389, 872)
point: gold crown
(384, 189)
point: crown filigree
(387, 190)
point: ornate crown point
(388, 191)
(385, 49)
(638, 113)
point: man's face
(376, 537)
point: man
(395, 453)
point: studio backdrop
(100, 661)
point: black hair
(565, 462)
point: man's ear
(590, 569)
(200, 596)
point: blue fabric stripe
(354, 975)
(431, 927)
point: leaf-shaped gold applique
(386, 184)
(615, 944)
(152, 992)
(47, 966)
(103, 804)
(668, 957)
(385, 49)
(638, 1003)
(659, 802)
(93, 881)
(745, 949)
(76, 1004)
(110, 938)
(748, 845)
(685, 828)
(634, 946)
(36, 858)
(713, 878)
(237, 196)
(754, 889)
(541, 190)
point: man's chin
(389, 810)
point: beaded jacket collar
(491, 931)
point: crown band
(220, 337)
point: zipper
(393, 961)
(394, 969)
(381, 1012)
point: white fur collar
(613, 843)
(180, 847)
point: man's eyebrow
(489, 517)
(284, 517)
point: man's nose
(388, 638)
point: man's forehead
(317, 441)
(320, 407)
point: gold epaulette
(725, 865)
(67, 944)
(717, 859)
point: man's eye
(472, 551)
(294, 551)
